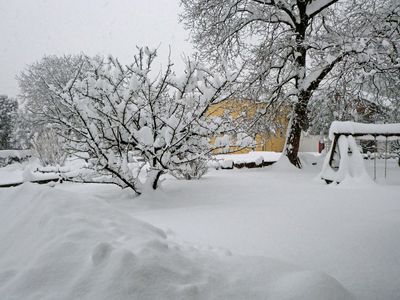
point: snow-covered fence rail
(254, 159)
(344, 158)
(47, 175)
(44, 175)
(39, 181)
(54, 179)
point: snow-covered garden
(200, 149)
(275, 232)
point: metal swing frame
(355, 135)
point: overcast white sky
(31, 28)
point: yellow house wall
(264, 141)
(274, 143)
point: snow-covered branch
(317, 6)
(120, 113)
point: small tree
(194, 169)
(38, 102)
(119, 111)
(49, 147)
(24, 130)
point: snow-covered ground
(349, 232)
(263, 233)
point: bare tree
(8, 112)
(292, 46)
(49, 147)
(116, 112)
(37, 100)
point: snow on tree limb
(117, 113)
(290, 47)
(316, 6)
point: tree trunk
(299, 118)
(299, 122)
(153, 178)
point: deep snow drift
(350, 231)
(73, 242)
(235, 234)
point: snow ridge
(58, 244)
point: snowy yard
(349, 232)
(156, 150)
(235, 234)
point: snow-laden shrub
(11, 156)
(194, 169)
(49, 148)
(113, 110)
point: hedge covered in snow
(10, 156)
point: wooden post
(376, 149)
(335, 141)
(386, 142)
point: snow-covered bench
(344, 158)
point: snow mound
(57, 244)
(283, 164)
(226, 164)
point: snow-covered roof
(354, 128)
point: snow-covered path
(349, 232)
